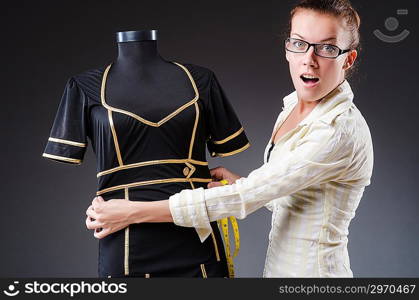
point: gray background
(42, 209)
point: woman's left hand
(106, 217)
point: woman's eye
(328, 48)
(298, 44)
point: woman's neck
(304, 107)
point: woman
(317, 164)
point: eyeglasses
(323, 50)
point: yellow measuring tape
(224, 227)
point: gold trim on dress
(192, 186)
(204, 272)
(148, 182)
(232, 152)
(72, 143)
(229, 137)
(197, 162)
(152, 162)
(194, 130)
(73, 160)
(191, 170)
(135, 116)
(126, 243)
(115, 138)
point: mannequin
(139, 72)
(136, 36)
(149, 122)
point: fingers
(218, 173)
(102, 233)
(92, 217)
(93, 224)
(96, 203)
(88, 222)
(91, 212)
(214, 184)
(221, 176)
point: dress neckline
(139, 118)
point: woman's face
(315, 27)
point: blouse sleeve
(67, 141)
(322, 155)
(226, 134)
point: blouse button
(186, 171)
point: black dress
(150, 157)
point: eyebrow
(325, 40)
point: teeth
(308, 76)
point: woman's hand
(221, 173)
(106, 217)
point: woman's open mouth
(309, 80)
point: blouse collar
(333, 104)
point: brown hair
(338, 8)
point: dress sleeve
(226, 134)
(322, 155)
(67, 141)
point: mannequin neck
(143, 52)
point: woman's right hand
(221, 173)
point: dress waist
(187, 172)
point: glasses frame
(314, 47)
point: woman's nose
(310, 57)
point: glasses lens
(326, 50)
(296, 45)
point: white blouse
(312, 183)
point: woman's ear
(287, 55)
(350, 59)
